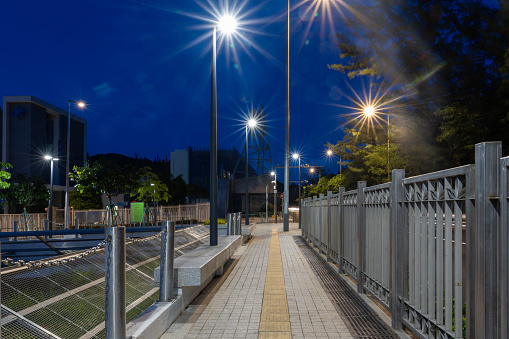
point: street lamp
(273, 173)
(297, 156)
(227, 24)
(370, 111)
(154, 201)
(50, 206)
(251, 123)
(80, 104)
(286, 220)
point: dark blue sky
(148, 91)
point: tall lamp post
(251, 123)
(80, 104)
(274, 174)
(227, 25)
(50, 205)
(286, 220)
(297, 156)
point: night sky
(143, 67)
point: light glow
(227, 24)
(329, 152)
(81, 104)
(272, 173)
(369, 110)
(251, 123)
(295, 156)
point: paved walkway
(270, 292)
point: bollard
(229, 226)
(115, 279)
(167, 261)
(234, 223)
(239, 221)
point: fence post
(303, 216)
(115, 279)
(482, 244)
(239, 223)
(228, 223)
(341, 228)
(15, 224)
(167, 260)
(329, 194)
(313, 217)
(361, 236)
(399, 247)
(320, 224)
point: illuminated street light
(250, 124)
(297, 156)
(80, 104)
(329, 152)
(227, 25)
(50, 205)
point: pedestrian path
(271, 292)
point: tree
(4, 175)
(430, 57)
(150, 187)
(87, 199)
(27, 192)
(178, 189)
(102, 178)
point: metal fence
(181, 214)
(431, 249)
(72, 296)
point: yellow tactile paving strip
(275, 319)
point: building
(32, 128)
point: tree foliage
(28, 192)
(4, 175)
(150, 187)
(86, 199)
(442, 67)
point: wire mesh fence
(67, 299)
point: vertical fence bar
(167, 261)
(431, 250)
(411, 245)
(484, 246)
(417, 247)
(341, 228)
(440, 253)
(458, 260)
(424, 250)
(361, 236)
(314, 220)
(115, 283)
(503, 281)
(448, 255)
(329, 224)
(399, 257)
(320, 224)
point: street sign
(137, 211)
(282, 195)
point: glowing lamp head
(81, 104)
(329, 152)
(272, 173)
(152, 184)
(312, 170)
(227, 24)
(48, 157)
(251, 123)
(369, 111)
(295, 156)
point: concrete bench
(192, 273)
(247, 232)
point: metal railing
(93, 293)
(181, 214)
(433, 249)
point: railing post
(167, 260)
(320, 223)
(115, 279)
(239, 223)
(329, 194)
(398, 247)
(482, 244)
(313, 216)
(361, 236)
(229, 225)
(341, 230)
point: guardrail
(431, 249)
